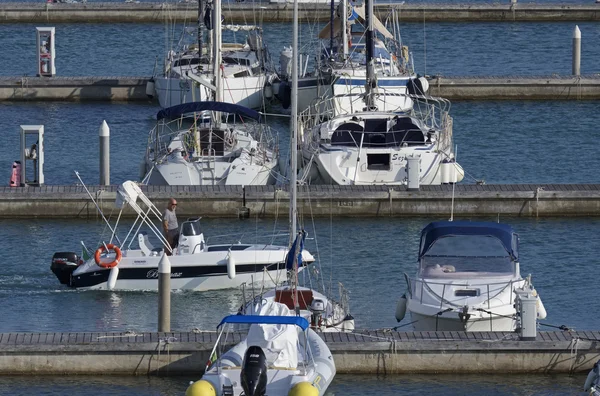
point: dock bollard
(576, 51)
(526, 305)
(413, 172)
(164, 294)
(104, 136)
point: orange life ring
(102, 249)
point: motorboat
(322, 312)
(281, 355)
(341, 71)
(374, 137)
(468, 279)
(193, 70)
(210, 143)
(592, 381)
(196, 265)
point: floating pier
(79, 89)
(527, 200)
(362, 352)
(237, 12)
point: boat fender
(591, 378)
(303, 389)
(102, 249)
(112, 278)
(401, 308)
(541, 310)
(424, 84)
(230, 265)
(150, 88)
(201, 388)
(285, 95)
(268, 91)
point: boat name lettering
(139, 261)
(153, 274)
(397, 157)
(345, 203)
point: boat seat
(145, 246)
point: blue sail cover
(258, 319)
(289, 261)
(438, 229)
(185, 108)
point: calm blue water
(501, 142)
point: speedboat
(468, 278)
(281, 355)
(592, 382)
(196, 265)
(197, 144)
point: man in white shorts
(170, 226)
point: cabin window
(466, 293)
(379, 162)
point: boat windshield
(467, 256)
(191, 228)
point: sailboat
(245, 68)
(321, 312)
(374, 140)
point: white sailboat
(243, 68)
(378, 136)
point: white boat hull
(445, 323)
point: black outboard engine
(63, 265)
(254, 372)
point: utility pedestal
(32, 155)
(45, 52)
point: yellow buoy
(201, 388)
(303, 389)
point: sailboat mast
(217, 49)
(370, 82)
(294, 126)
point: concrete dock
(237, 12)
(362, 352)
(527, 200)
(133, 89)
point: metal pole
(104, 136)
(345, 28)
(576, 51)
(294, 125)
(164, 294)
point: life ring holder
(105, 248)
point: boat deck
(367, 352)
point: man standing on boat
(170, 226)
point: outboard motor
(63, 265)
(254, 372)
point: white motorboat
(192, 71)
(467, 280)
(196, 265)
(195, 144)
(281, 355)
(592, 382)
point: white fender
(150, 88)
(112, 277)
(230, 266)
(591, 378)
(541, 310)
(401, 308)
(424, 84)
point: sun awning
(360, 11)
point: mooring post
(104, 136)
(164, 294)
(576, 51)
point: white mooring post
(576, 51)
(45, 51)
(164, 294)
(104, 136)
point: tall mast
(371, 81)
(294, 126)
(217, 49)
(344, 4)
